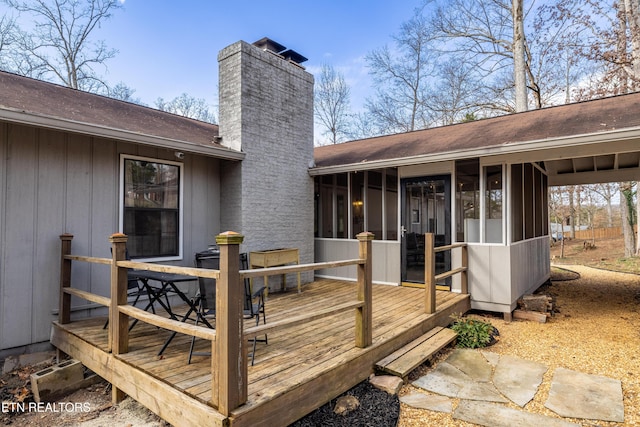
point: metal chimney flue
(272, 46)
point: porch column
(64, 313)
(364, 319)
(118, 322)
(429, 274)
(229, 370)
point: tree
(489, 35)
(628, 218)
(457, 96)
(60, 47)
(401, 76)
(332, 103)
(187, 106)
(607, 191)
(519, 64)
(124, 93)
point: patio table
(168, 283)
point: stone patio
(487, 382)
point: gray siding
(386, 259)
(53, 183)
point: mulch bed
(377, 409)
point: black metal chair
(206, 296)
(135, 289)
(253, 305)
(253, 308)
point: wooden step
(406, 359)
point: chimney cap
(293, 56)
(267, 43)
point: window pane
(493, 204)
(357, 202)
(517, 213)
(529, 212)
(374, 203)
(392, 205)
(468, 200)
(151, 208)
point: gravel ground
(596, 331)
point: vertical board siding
(53, 183)
(20, 208)
(50, 214)
(79, 209)
(3, 202)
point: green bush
(472, 333)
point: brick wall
(266, 110)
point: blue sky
(169, 47)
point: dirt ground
(595, 330)
(608, 254)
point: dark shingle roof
(45, 99)
(588, 117)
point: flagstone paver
(578, 395)
(494, 415)
(432, 402)
(518, 379)
(472, 363)
(464, 375)
(448, 380)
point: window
(493, 203)
(349, 203)
(468, 200)
(151, 209)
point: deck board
(312, 356)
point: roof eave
(506, 148)
(66, 125)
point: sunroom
(466, 200)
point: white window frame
(180, 166)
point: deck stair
(406, 359)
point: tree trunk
(626, 210)
(609, 196)
(636, 235)
(519, 64)
(572, 212)
(632, 12)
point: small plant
(472, 333)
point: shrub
(472, 333)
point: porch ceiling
(610, 167)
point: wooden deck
(300, 369)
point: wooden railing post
(429, 274)
(229, 371)
(118, 322)
(364, 318)
(64, 313)
(464, 276)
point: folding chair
(206, 296)
(135, 288)
(253, 304)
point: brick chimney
(266, 110)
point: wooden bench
(406, 359)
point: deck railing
(430, 277)
(229, 379)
